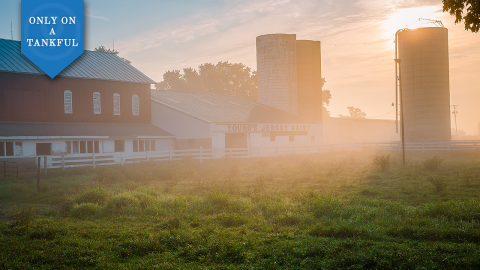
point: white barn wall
(350, 130)
(164, 144)
(179, 124)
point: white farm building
(220, 121)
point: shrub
(66, 206)
(439, 183)
(22, 216)
(172, 224)
(381, 162)
(433, 163)
(232, 220)
(121, 201)
(98, 196)
(84, 210)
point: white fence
(76, 160)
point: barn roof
(213, 108)
(53, 129)
(89, 65)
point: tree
(354, 113)
(102, 48)
(223, 78)
(326, 96)
(472, 17)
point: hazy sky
(356, 36)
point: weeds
(439, 183)
(433, 163)
(382, 162)
(22, 216)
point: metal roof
(89, 65)
(52, 129)
(213, 108)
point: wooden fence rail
(76, 160)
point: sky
(356, 42)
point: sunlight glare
(408, 18)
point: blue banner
(52, 33)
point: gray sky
(356, 36)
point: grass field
(345, 210)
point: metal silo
(309, 79)
(424, 73)
(277, 71)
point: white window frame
(97, 103)
(116, 107)
(135, 105)
(68, 101)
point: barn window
(116, 104)
(135, 105)
(69, 147)
(97, 106)
(147, 145)
(152, 145)
(9, 149)
(119, 146)
(67, 101)
(135, 146)
(18, 149)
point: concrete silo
(424, 71)
(277, 71)
(309, 79)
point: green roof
(213, 108)
(90, 65)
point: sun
(409, 18)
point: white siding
(179, 124)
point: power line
(381, 115)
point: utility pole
(11, 29)
(455, 112)
(398, 85)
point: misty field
(344, 210)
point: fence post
(63, 162)
(201, 154)
(5, 169)
(171, 154)
(231, 155)
(38, 173)
(45, 165)
(93, 159)
(423, 148)
(448, 146)
(148, 155)
(122, 159)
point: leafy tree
(102, 48)
(457, 8)
(223, 78)
(326, 96)
(354, 113)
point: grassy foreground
(346, 210)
